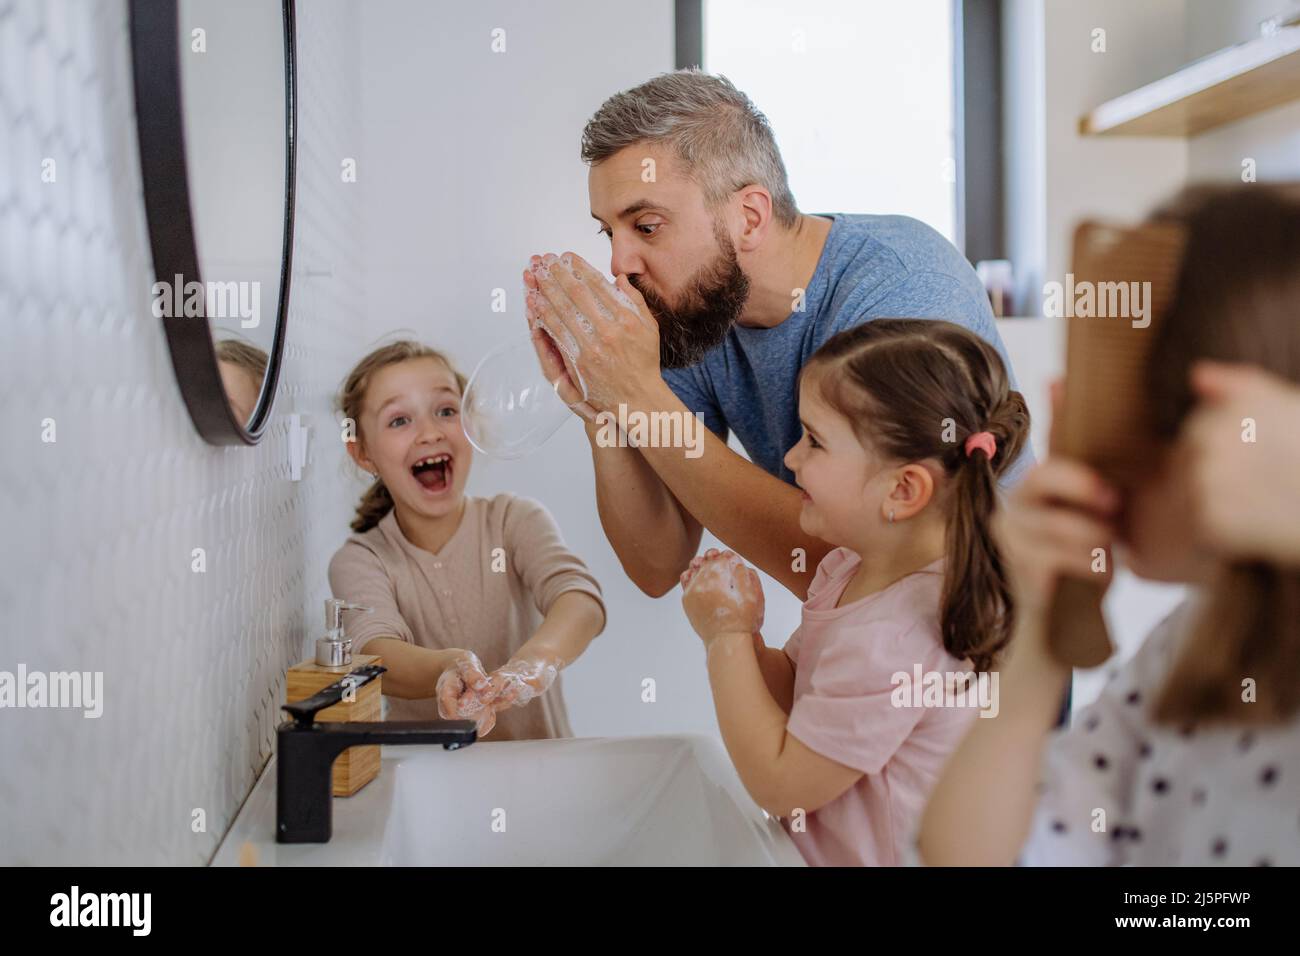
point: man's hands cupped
(591, 334)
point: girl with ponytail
(456, 583)
(907, 426)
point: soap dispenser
(356, 766)
(335, 648)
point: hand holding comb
(1104, 419)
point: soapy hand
(557, 366)
(519, 680)
(721, 594)
(604, 333)
(464, 692)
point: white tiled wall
(99, 525)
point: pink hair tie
(984, 441)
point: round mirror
(215, 93)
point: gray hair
(722, 139)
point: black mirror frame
(155, 58)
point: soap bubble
(510, 410)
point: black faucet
(306, 751)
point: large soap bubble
(509, 409)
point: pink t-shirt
(844, 708)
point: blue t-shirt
(871, 267)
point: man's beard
(710, 304)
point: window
(860, 95)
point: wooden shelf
(1225, 86)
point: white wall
(1120, 176)
(1052, 76)
(470, 164)
(1271, 138)
(807, 65)
(99, 525)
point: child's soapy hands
(464, 692)
(519, 680)
(721, 594)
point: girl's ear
(911, 491)
(357, 452)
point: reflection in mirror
(233, 86)
(243, 369)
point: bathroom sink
(634, 801)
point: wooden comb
(1104, 420)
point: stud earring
(891, 515)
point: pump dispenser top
(335, 648)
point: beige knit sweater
(469, 594)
